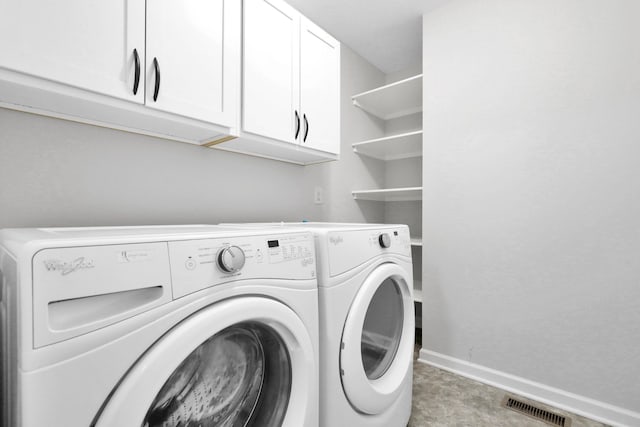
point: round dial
(384, 240)
(231, 259)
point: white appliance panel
(80, 289)
(194, 263)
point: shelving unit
(393, 100)
(390, 102)
(394, 147)
(417, 291)
(389, 194)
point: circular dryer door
(242, 362)
(377, 341)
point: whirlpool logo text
(68, 267)
(336, 240)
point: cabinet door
(188, 46)
(86, 44)
(270, 76)
(319, 88)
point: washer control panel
(202, 263)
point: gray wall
(55, 173)
(532, 192)
(61, 173)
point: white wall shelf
(417, 291)
(403, 141)
(393, 100)
(394, 147)
(389, 194)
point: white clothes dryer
(367, 324)
(158, 326)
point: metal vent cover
(535, 412)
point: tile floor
(442, 399)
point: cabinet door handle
(297, 125)
(306, 128)
(156, 90)
(136, 76)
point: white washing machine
(367, 325)
(158, 326)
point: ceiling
(387, 33)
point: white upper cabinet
(165, 68)
(270, 64)
(85, 44)
(291, 82)
(187, 50)
(319, 88)
(178, 70)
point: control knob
(384, 240)
(231, 259)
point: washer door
(377, 341)
(243, 362)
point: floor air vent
(535, 412)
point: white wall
(410, 71)
(532, 198)
(60, 173)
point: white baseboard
(580, 405)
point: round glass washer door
(377, 341)
(229, 380)
(250, 369)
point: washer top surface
(315, 226)
(13, 239)
(134, 230)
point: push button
(190, 264)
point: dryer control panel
(348, 248)
(202, 263)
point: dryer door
(243, 362)
(376, 355)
